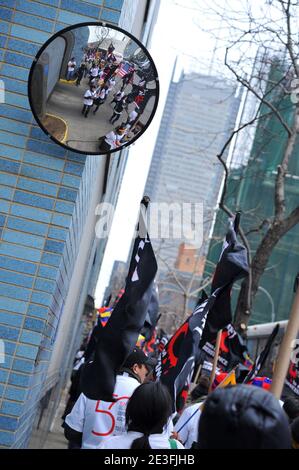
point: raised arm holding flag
(176, 362)
(118, 339)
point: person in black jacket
(118, 109)
(80, 73)
(243, 417)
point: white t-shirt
(156, 441)
(111, 138)
(111, 84)
(98, 420)
(94, 71)
(189, 433)
(101, 93)
(133, 115)
(119, 95)
(88, 95)
(71, 66)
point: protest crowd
(106, 78)
(134, 387)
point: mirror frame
(105, 25)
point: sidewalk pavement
(55, 438)
(83, 133)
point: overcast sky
(96, 33)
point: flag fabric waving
(232, 350)
(150, 346)
(140, 341)
(223, 380)
(292, 378)
(176, 362)
(118, 339)
(232, 266)
(162, 341)
(124, 69)
(104, 315)
(118, 297)
(261, 358)
(152, 316)
(93, 339)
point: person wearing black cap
(91, 421)
(243, 417)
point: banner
(292, 378)
(232, 350)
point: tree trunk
(258, 266)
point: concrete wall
(55, 52)
(81, 41)
(94, 170)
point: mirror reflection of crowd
(103, 70)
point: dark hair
(291, 407)
(202, 388)
(295, 430)
(148, 411)
(243, 417)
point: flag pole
(217, 348)
(284, 354)
(197, 374)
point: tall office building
(49, 257)
(200, 113)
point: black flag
(232, 351)
(151, 318)
(261, 358)
(176, 361)
(232, 266)
(118, 339)
(292, 378)
(93, 340)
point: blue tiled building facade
(45, 196)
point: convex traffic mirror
(93, 88)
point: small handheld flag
(261, 358)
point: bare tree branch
(260, 98)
